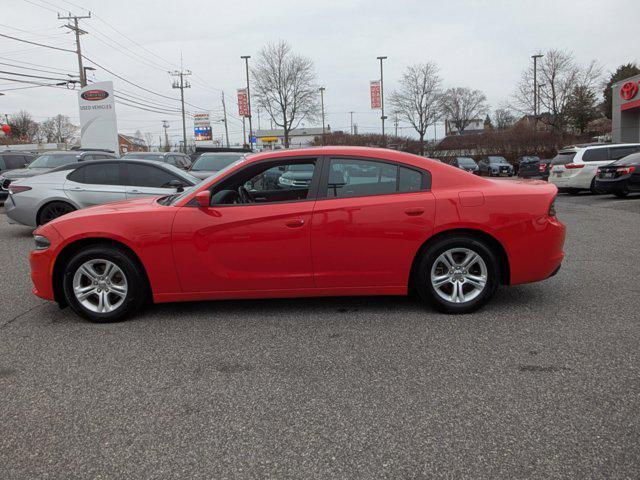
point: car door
(95, 183)
(368, 227)
(144, 180)
(261, 247)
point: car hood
(23, 173)
(137, 204)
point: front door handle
(414, 212)
(298, 222)
(77, 189)
(134, 190)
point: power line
(37, 76)
(36, 43)
(33, 69)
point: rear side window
(356, 178)
(14, 161)
(562, 158)
(596, 155)
(101, 174)
(147, 176)
(616, 153)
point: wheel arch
(49, 201)
(73, 247)
(490, 240)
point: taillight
(552, 208)
(542, 167)
(625, 170)
(13, 189)
(598, 171)
(574, 165)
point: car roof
(73, 166)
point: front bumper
(42, 262)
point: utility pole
(535, 85)
(246, 63)
(322, 107)
(258, 114)
(244, 130)
(351, 113)
(182, 84)
(226, 128)
(382, 117)
(165, 125)
(78, 31)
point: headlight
(42, 243)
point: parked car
(38, 200)
(620, 177)
(209, 163)
(465, 163)
(177, 159)
(296, 176)
(13, 160)
(47, 162)
(415, 224)
(580, 173)
(494, 166)
(533, 167)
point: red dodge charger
(314, 222)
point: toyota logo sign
(94, 95)
(629, 90)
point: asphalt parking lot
(542, 383)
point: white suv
(574, 168)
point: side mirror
(204, 199)
(177, 184)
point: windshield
(173, 199)
(53, 160)
(144, 156)
(562, 158)
(466, 161)
(212, 162)
(497, 160)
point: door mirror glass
(204, 199)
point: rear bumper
(23, 215)
(580, 181)
(611, 186)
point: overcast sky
(483, 45)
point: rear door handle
(414, 212)
(298, 222)
(134, 190)
(77, 189)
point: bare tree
(284, 84)
(504, 118)
(417, 100)
(461, 105)
(22, 125)
(558, 75)
(59, 129)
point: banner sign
(98, 124)
(375, 94)
(243, 102)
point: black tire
(422, 275)
(53, 210)
(137, 287)
(593, 189)
(621, 193)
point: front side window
(596, 155)
(148, 176)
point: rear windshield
(497, 160)
(466, 161)
(632, 159)
(53, 160)
(214, 162)
(562, 158)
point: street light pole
(382, 117)
(246, 63)
(535, 84)
(322, 107)
(351, 113)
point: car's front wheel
(104, 284)
(457, 274)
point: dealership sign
(202, 127)
(629, 90)
(243, 102)
(375, 94)
(98, 125)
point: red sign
(243, 102)
(376, 99)
(629, 90)
(94, 95)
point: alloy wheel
(459, 275)
(100, 286)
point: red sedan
(300, 223)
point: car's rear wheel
(104, 284)
(457, 274)
(54, 210)
(593, 189)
